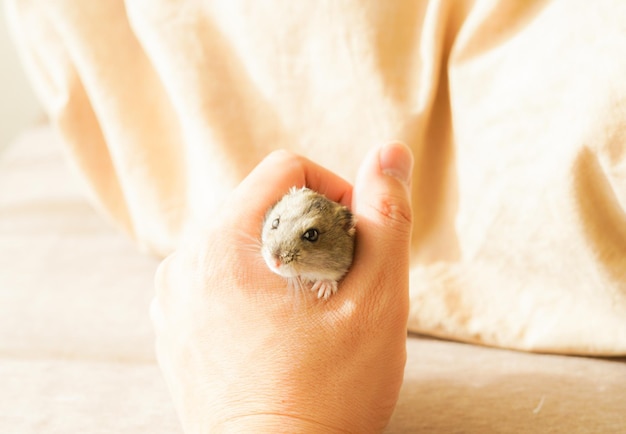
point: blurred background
(18, 106)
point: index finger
(275, 175)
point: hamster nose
(277, 259)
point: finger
(382, 206)
(276, 174)
(162, 294)
(174, 289)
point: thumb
(382, 199)
(381, 202)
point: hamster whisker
(248, 242)
(249, 238)
(297, 290)
(250, 247)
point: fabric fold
(515, 112)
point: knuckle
(162, 274)
(394, 213)
(283, 156)
(290, 163)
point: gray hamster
(309, 238)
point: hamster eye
(311, 235)
(275, 223)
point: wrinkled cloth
(515, 112)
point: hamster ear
(348, 221)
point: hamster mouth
(284, 270)
(278, 266)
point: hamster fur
(309, 238)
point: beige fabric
(515, 112)
(76, 342)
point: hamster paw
(324, 288)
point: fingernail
(396, 160)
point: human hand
(240, 354)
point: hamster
(309, 238)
